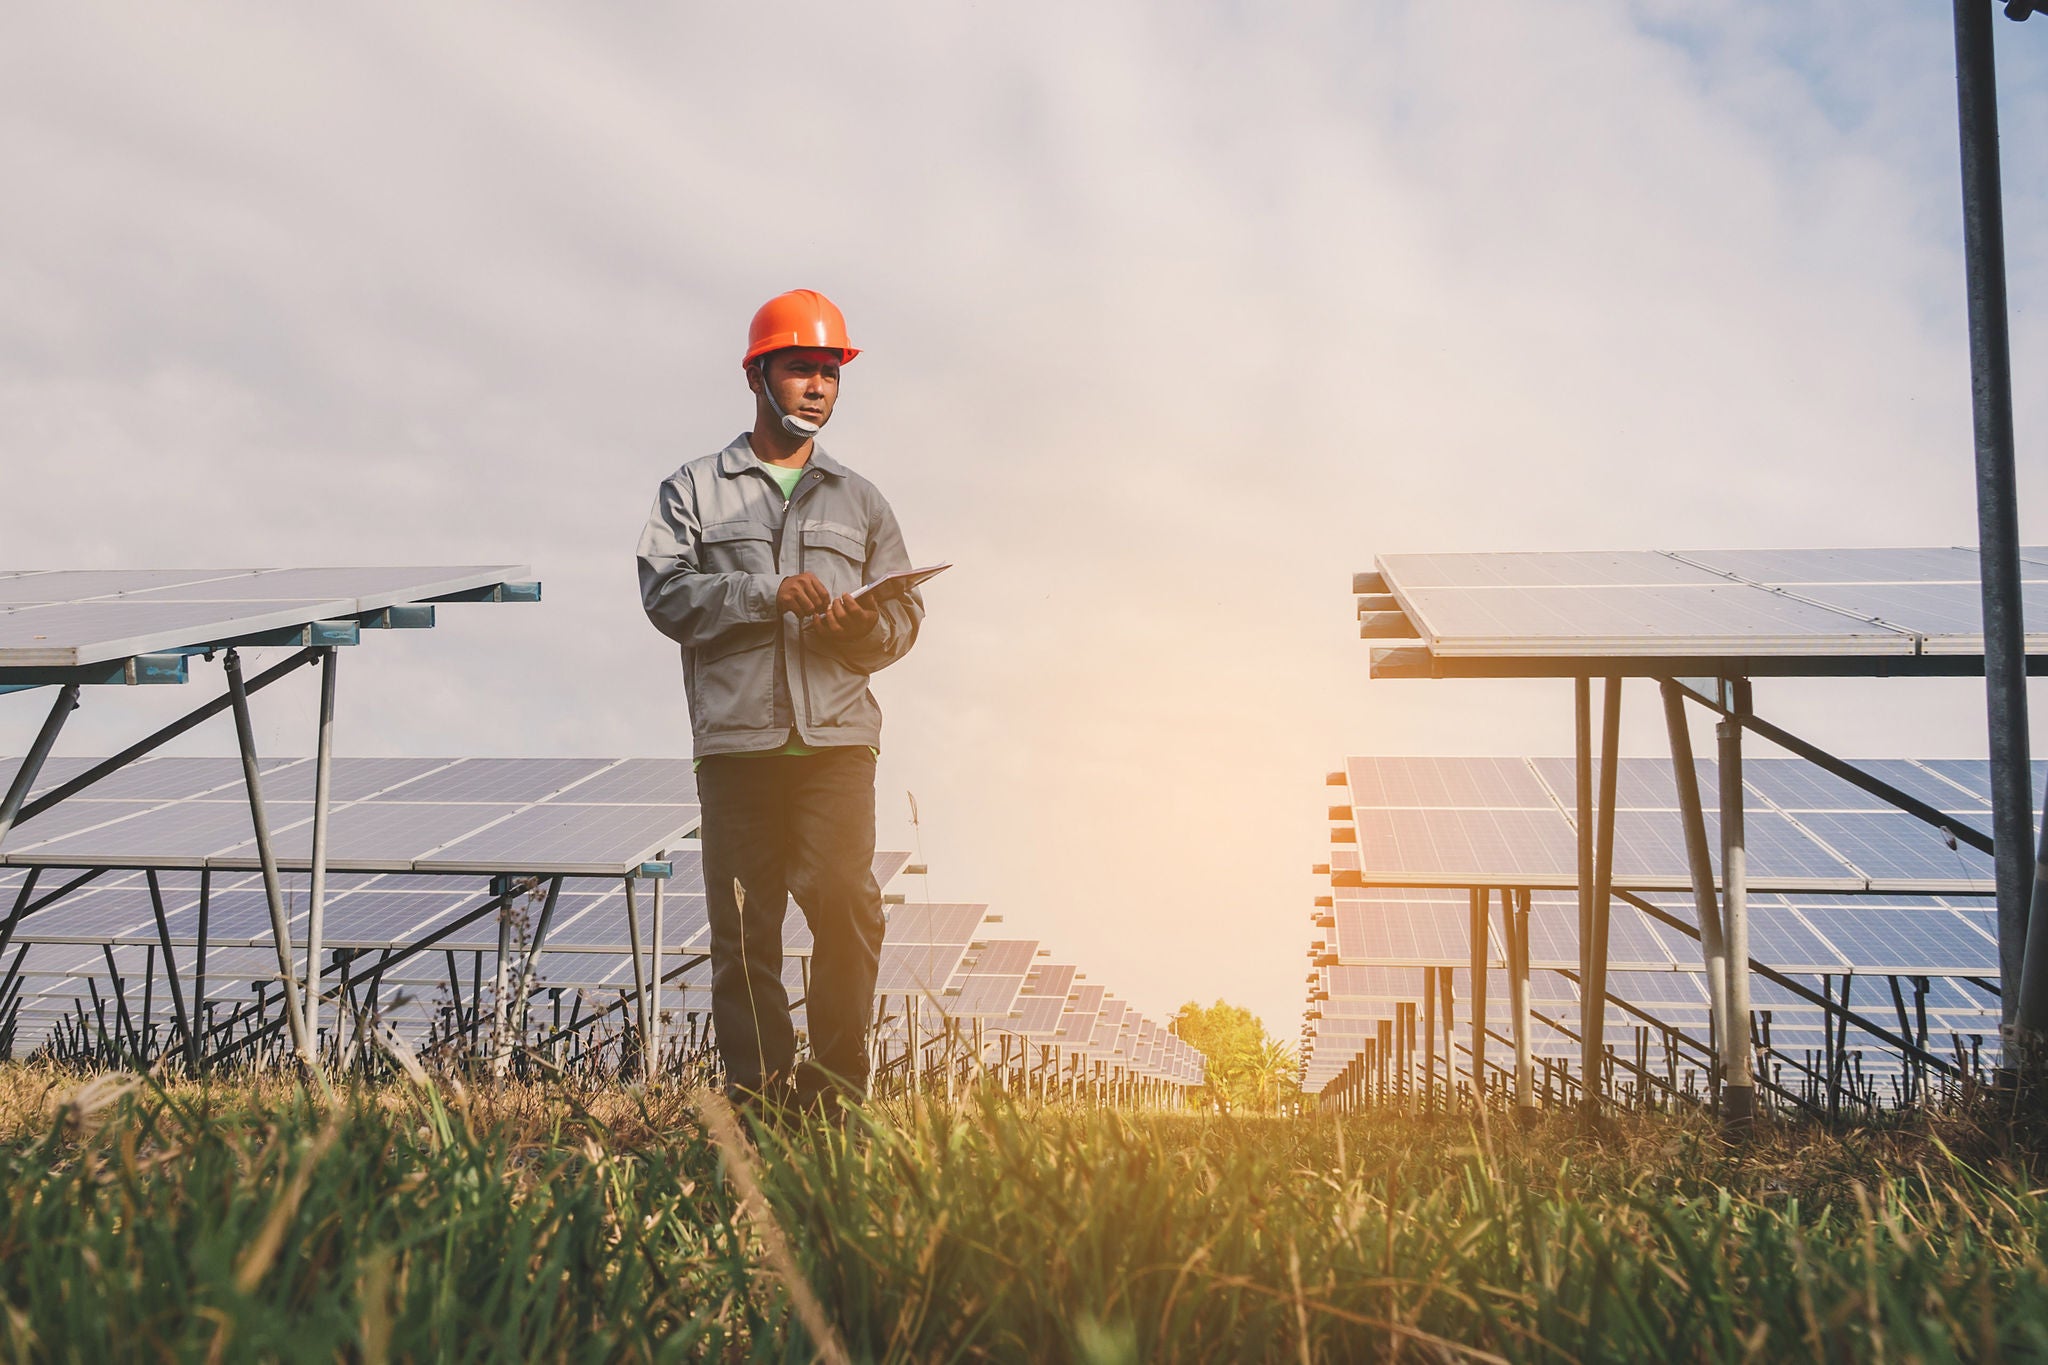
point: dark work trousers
(786, 825)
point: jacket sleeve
(685, 603)
(896, 632)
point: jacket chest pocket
(837, 554)
(738, 547)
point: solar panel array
(574, 816)
(1454, 823)
(1462, 822)
(1779, 610)
(187, 821)
(65, 618)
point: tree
(1248, 1070)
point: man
(748, 561)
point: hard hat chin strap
(795, 426)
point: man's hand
(847, 619)
(802, 595)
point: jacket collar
(738, 458)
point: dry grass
(247, 1220)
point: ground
(249, 1220)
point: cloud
(1175, 316)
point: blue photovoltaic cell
(1630, 940)
(1659, 988)
(1896, 846)
(637, 781)
(1516, 569)
(1640, 783)
(1780, 937)
(1681, 620)
(498, 779)
(1791, 567)
(1435, 782)
(1904, 941)
(1932, 609)
(553, 835)
(1777, 849)
(1798, 786)
(1467, 843)
(187, 833)
(1975, 773)
(1049, 980)
(350, 779)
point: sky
(1173, 316)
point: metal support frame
(1905, 1047)
(159, 738)
(2022, 946)
(32, 762)
(1738, 1089)
(1713, 947)
(654, 986)
(316, 893)
(1593, 946)
(1514, 915)
(1482, 961)
(188, 1035)
(1428, 1036)
(273, 891)
(639, 976)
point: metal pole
(654, 1004)
(1482, 958)
(1514, 914)
(500, 983)
(639, 972)
(163, 937)
(316, 894)
(1582, 773)
(1738, 1103)
(32, 762)
(1429, 1037)
(280, 929)
(199, 1009)
(1593, 997)
(1998, 534)
(1713, 949)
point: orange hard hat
(802, 317)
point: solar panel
(64, 618)
(1481, 828)
(478, 816)
(1769, 611)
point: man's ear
(754, 376)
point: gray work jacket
(717, 547)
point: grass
(249, 1221)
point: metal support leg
(639, 971)
(316, 894)
(501, 982)
(1514, 914)
(2022, 945)
(1582, 773)
(199, 950)
(280, 928)
(1482, 960)
(1738, 1106)
(1713, 947)
(1428, 1037)
(654, 986)
(32, 762)
(186, 1031)
(1593, 952)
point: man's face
(805, 381)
